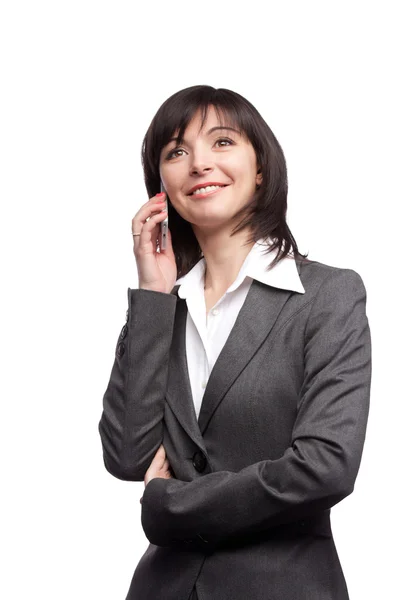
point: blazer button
(120, 350)
(123, 333)
(199, 461)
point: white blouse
(206, 334)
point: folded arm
(319, 468)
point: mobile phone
(164, 223)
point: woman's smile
(206, 194)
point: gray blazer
(278, 441)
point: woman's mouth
(204, 193)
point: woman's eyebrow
(210, 131)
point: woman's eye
(225, 140)
(171, 154)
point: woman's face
(222, 156)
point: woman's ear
(259, 178)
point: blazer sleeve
(319, 468)
(131, 424)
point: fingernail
(160, 195)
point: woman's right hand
(157, 271)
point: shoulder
(317, 277)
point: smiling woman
(203, 136)
(221, 169)
(240, 387)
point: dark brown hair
(265, 213)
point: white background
(81, 82)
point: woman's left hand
(159, 467)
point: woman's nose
(201, 166)
(201, 161)
(199, 170)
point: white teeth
(207, 189)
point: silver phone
(164, 223)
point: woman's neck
(223, 264)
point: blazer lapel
(179, 391)
(253, 324)
(255, 320)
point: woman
(240, 391)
